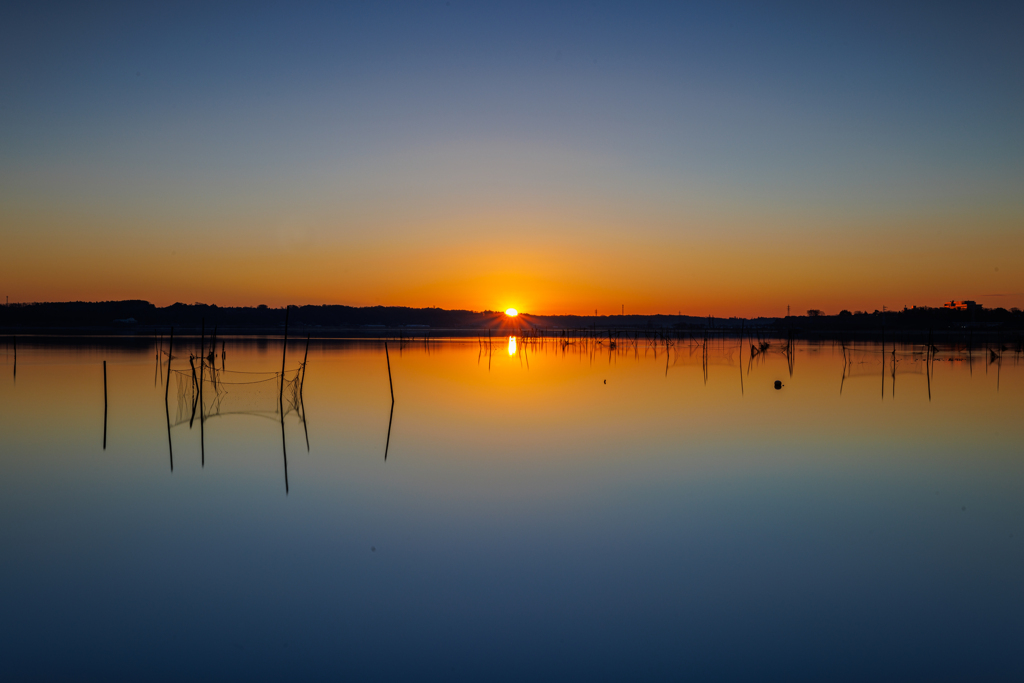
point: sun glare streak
(511, 312)
(511, 346)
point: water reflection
(651, 506)
(216, 394)
(511, 346)
(391, 414)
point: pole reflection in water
(104, 405)
(241, 393)
(284, 447)
(302, 384)
(167, 389)
(284, 354)
(391, 386)
(202, 413)
(545, 501)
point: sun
(511, 312)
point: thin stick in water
(167, 410)
(391, 417)
(104, 405)
(284, 353)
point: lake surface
(647, 512)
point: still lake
(644, 512)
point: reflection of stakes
(894, 370)
(195, 391)
(740, 363)
(104, 405)
(845, 365)
(302, 383)
(284, 354)
(704, 360)
(998, 360)
(883, 364)
(305, 429)
(391, 417)
(280, 398)
(928, 365)
(167, 411)
(212, 357)
(790, 353)
(391, 384)
(202, 408)
(970, 353)
(202, 416)
(284, 452)
(305, 357)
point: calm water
(636, 513)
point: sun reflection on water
(511, 346)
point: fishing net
(208, 393)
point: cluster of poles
(198, 381)
(591, 341)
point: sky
(710, 159)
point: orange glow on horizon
(732, 270)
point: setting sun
(511, 312)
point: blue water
(580, 515)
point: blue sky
(360, 128)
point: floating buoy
(778, 384)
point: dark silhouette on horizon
(135, 317)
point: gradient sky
(710, 159)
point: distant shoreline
(140, 319)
